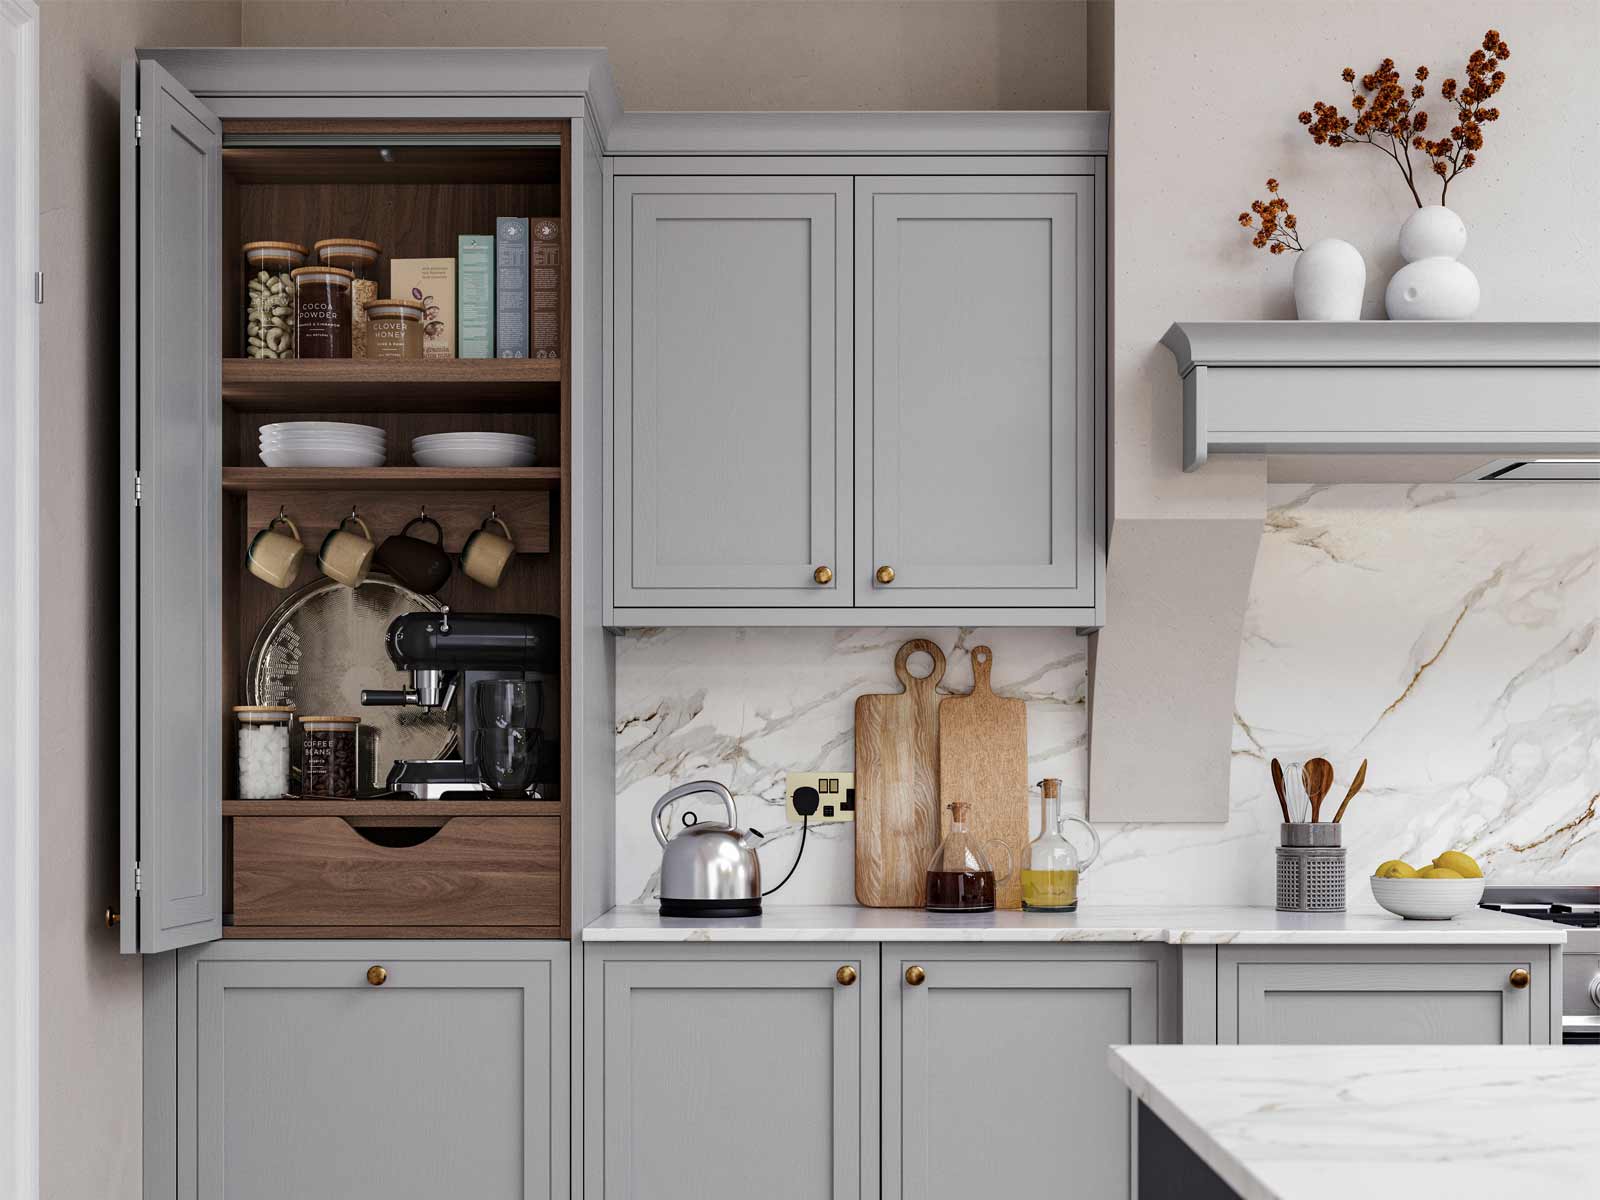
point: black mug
(422, 566)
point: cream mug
(486, 553)
(275, 557)
(346, 557)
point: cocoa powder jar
(361, 260)
(322, 312)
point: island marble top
(1172, 925)
(1332, 1122)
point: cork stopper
(1050, 787)
(959, 810)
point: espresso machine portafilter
(447, 654)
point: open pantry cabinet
(202, 176)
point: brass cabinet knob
(915, 975)
(885, 574)
(376, 976)
(823, 575)
(846, 975)
(1520, 977)
(113, 918)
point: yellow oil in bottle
(1050, 891)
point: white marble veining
(1331, 1122)
(1447, 633)
(1171, 925)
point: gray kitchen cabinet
(994, 1066)
(979, 365)
(712, 1071)
(731, 388)
(298, 1075)
(866, 398)
(1411, 995)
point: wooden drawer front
(475, 871)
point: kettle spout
(750, 837)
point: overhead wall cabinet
(857, 389)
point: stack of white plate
(473, 450)
(322, 444)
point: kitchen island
(1319, 1122)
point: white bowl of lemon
(1451, 885)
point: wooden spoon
(1277, 782)
(1318, 773)
(1355, 786)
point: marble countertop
(1171, 924)
(1330, 1122)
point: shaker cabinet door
(171, 530)
(725, 1072)
(979, 391)
(995, 1080)
(299, 1076)
(731, 392)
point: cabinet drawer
(470, 871)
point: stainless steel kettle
(707, 869)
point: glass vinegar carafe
(1051, 864)
(959, 877)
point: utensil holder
(1311, 867)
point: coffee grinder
(447, 655)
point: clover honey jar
(394, 329)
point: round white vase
(1432, 286)
(1329, 278)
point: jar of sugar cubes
(263, 750)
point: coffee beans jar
(361, 260)
(322, 312)
(394, 329)
(268, 330)
(328, 755)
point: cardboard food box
(432, 283)
(544, 242)
(511, 287)
(475, 296)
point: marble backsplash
(1446, 633)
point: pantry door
(170, 702)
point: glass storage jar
(267, 330)
(394, 329)
(328, 755)
(263, 739)
(322, 312)
(361, 260)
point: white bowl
(1427, 899)
(475, 456)
(321, 456)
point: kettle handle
(1094, 839)
(692, 789)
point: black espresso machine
(448, 654)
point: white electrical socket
(836, 795)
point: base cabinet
(377, 1071)
(994, 1067)
(718, 1072)
(1470, 995)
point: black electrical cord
(805, 823)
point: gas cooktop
(1578, 908)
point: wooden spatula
(1278, 784)
(1355, 786)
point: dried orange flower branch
(1388, 116)
(1278, 233)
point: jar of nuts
(361, 260)
(269, 298)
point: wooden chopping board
(983, 759)
(897, 785)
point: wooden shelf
(378, 479)
(392, 385)
(295, 807)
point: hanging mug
(421, 565)
(346, 557)
(275, 557)
(486, 553)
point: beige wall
(89, 1015)
(745, 54)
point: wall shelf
(370, 479)
(1500, 388)
(295, 806)
(388, 385)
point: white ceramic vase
(1432, 286)
(1329, 278)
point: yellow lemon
(1463, 865)
(1438, 873)
(1395, 869)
